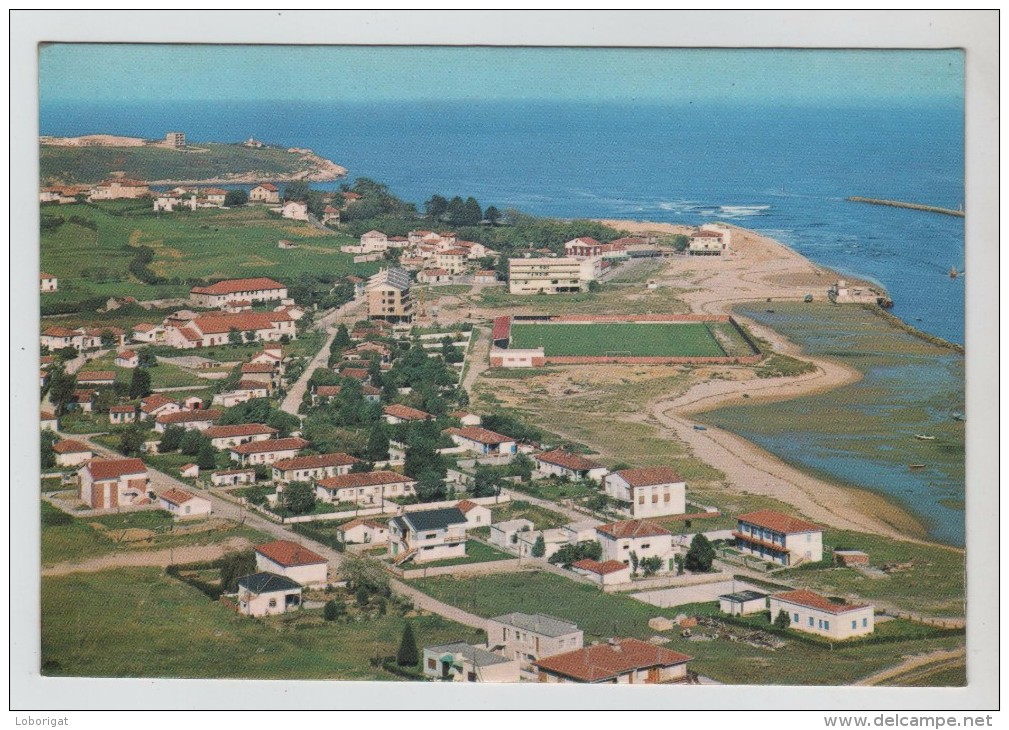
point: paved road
(478, 359)
(297, 391)
(227, 509)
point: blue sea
(784, 171)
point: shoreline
(773, 272)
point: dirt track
(143, 558)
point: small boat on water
(699, 427)
(915, 466)
(923, 437)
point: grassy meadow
(690, 339)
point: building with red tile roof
(566, 464)
(318, 466)
(200, 420)
(649, 492)
(266, 451)
(815, 614)
(608, 572)
(619, 661)
(110, 483)
(398, 413)
(643, 538)
(224, 436)
(71, 452)
(482, 440)
(294, 561)
(258, 289)
(365, 488)
(778, 538)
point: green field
(205, 244)
(203, 161)
(688, 339)
(138, 622)
(602, 615)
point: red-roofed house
(122, 414)
(156, 405)
(217, 328)
(118, 188)
(265, 193)
(200, 420)
(71, 453)
(294, 561)
(48, 421)
(127, 359)
(645, 539)
(565, 464)
(182, 504)
(398, 413)
(476, 514)
(266, 452)
(97, 378)
(363, 531)
(233, 477)
(47, 282)
(779, 538)
(245, 391)
(258, 289)
(619, 661)
(650, 492)
(610, 572)
(433, 276)
(466, 418)
(707, 243)
(223, 437)
(814, 614)
(452, 260)
(330, 215)
(366, 488)
(108, 483)
(306, 468)
(482, 440)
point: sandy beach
(761, 269)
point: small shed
(742, 603)
(191, 471)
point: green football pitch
(687, 339)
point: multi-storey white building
(779, 538)
(649, 492)
(552, 275)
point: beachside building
(527, 638)
(258, 289)
(118, 189)
(107, 483)
(294, 561)
(562, 463)
(48, 282)
(266, 452)
(482, 441)
(307, 468)
(618, 661)
(649, 492)
(265, 193)
(183, 504)
(814, 614)
(462, 662)
(427, 535)
(585, 248)
(389, 297)
(706, 242)
(643, 538)
(267, 594)
(779, 538)
(742, 603)
(367, 489)
(551, 275)
(70, 452)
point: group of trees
(456, 212)
(190, 442)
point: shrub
(407, 655)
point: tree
(191, 442)
(342, 339)
(297, 190)
(431, 487)
(234, 336)
(140, 383)
(250, 336)
(782, 621)
(435, 207)
(130, 442)
(700, 556)
(492, 215)
(634, 562)
(171, 439)
(378, 444)
(486, 482)
(678, 561)
(569, 554)
(361, 467)
(360, 570)
(61, 388)
(107, 338)
(206, 457)
(680, 242)
(473, 214)
(651, 566)
(235, 566)
(539, 547)
(595, 286)
(407, 654)
(236, 198)
(334, 610)
(299, 497)
(48, 455)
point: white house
(814, 614)
(462, 662)
(365, 488)
(742, 603)
(291, 560)
(307, 468)
(364, 531)
(256, 289)
(427, 535)
(183, 504)
(233, 477)
(147, 332)
(266, 452)
(397, 413)
(71, 453)
(199, 420)
(48, 421)
(706, 242)
(565, 464)
(190, 471)
(506, 534)
(526, 638)
(223, 437)
(778, 538)
(466, 418)
(482, 441)
(47, 282)
(644, 539)
(476, 514)
(295, 210)
(122, 414)
(156, 405)
(606, 573)
(265, 193)
(649, 492)
(107, 483)
(553, 540)
(127, 359)
(267, 594)
(220, 328)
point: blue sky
(96, 72)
